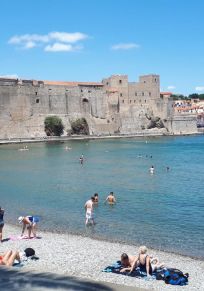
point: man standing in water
(89, 211)
(111, 199)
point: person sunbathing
(8, 258)
(127, 262)
(143, 262)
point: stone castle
(113, 106)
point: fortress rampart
(113, 106)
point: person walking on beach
(31, 223)
(89, 205)
(1, 223)
(111, 199)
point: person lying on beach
(1, 223)
(89, 205)
(8, 258)
(111, 199)
(31, 223)
(127, 262)
(96, 198)
(143, 262)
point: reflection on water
(164, 210)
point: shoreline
(86, 257)
(113, 241)
(90, 137)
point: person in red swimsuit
(8, 258)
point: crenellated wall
(112, 106)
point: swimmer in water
(151, 170)
(111, 199)
(167, 169)
(81, 159)
(96, 199)
(67, 148)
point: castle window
(121, 94)
(50, 89)
(89, 91)
(81, 90)
(36, 93)
(149, 93)
(142, 93)
(85, 100)
(120, 81)
(123, 101)
(130, 101)
(107, 83)
(135, 93)
(145, 101)
(37, 100)
(155, 79)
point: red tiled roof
(166, 93)
(61, 83)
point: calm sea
(164, 211)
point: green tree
(80, 126)
(53, 126)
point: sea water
(164, 211)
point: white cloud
(171, 87)
(54, 41)
(29, 45)
(199, 88)
(67, 37)
(125, 46)
(61, 47)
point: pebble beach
(84, 257)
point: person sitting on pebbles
(31, 223)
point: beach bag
(175, 277)
(29, 252)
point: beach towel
(116, 267)
(18, 237)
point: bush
(80, 126)
(53, 126)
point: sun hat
(20, 219)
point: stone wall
(113, 106)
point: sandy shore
(84, 257)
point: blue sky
(87, 40)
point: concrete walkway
(16, 280)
